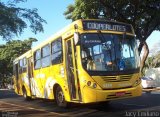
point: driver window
(87, 59)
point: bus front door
(71, 68)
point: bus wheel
(25, 95)
(59, 96)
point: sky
(52, 11)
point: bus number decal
(108, 85)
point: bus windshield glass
(109, 52)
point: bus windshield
(109, 52)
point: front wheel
(59, 96)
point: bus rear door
(30, 76)
(16, 80)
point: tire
(25, 95)
(59, 97)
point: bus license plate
(119, 94)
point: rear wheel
(59, 96)
(25, 94)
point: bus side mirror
(76, 38)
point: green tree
(13, 20)
(9, 52)
(153, 61)
(144, 15)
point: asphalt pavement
(13, 105)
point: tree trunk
(144, 56)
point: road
(12, 105)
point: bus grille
(116, 97)
(117, 78)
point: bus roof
(71, 28)
(68, 31)
(60, 33)
(27, 55)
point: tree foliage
(13, 20)
(9, 52)
(144, 15)
(153, 61)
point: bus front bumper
(92, 95)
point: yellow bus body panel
(45, 79)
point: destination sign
(106, 25)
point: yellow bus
(88, 61)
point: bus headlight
(89, 83)
(94, 85)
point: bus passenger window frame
(58, 52)
(37, 59)
(20, 69)
(14, 69)
(46, 56)
(24, 67)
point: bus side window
(20, 66)
(24, 67)
(46, 61)
(56, 51)
(37, 59)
